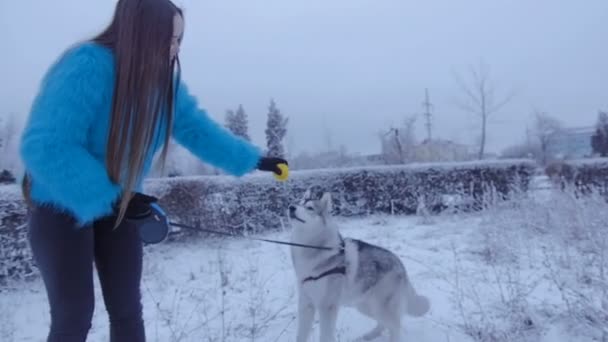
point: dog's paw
(371, 335)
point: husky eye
(310, 208)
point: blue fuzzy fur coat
(63, 146)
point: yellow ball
(284, 172)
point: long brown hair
(140, 37)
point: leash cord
(197, 228)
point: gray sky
(350, 67)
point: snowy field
(530, 270)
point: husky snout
(293, 213)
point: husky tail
(416, 305)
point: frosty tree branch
(479, 98)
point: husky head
(311, 212)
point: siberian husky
(354, 273)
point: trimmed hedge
(584, 176)
(6, 177)
(15, 256)
(258, 202)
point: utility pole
(427, 114)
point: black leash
(197, 228)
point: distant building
(571, 143)
(365, 160)
(438, 150)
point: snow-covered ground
(490, 277)
(183, 288)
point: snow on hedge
(258, 202)
(582, 175)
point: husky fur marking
(357, 274)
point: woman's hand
(271, 164)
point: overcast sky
(350, 68)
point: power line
(427, 114)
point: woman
(103, 110)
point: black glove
(148, 218)
(271, 164)
(139, 206)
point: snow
(307, 173)
(9, 192)
(447, 166)
(482, 272)
(531, 268)
(182, 289)
(596, 162)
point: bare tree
(480, 99)
(8, 142)
(392, 149)
(546, 128)
(398, 142)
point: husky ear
(326, 203)
(307, 195)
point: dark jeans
(65, 256)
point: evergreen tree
(599, 140)
(238, 123)
(229, 120)
(276, 129)
(241, 123)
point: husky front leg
(395, 334)
(327, 320)
(306, 315)
(393, 323)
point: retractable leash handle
(154, 228)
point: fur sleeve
(209, 141)
(53, 144)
